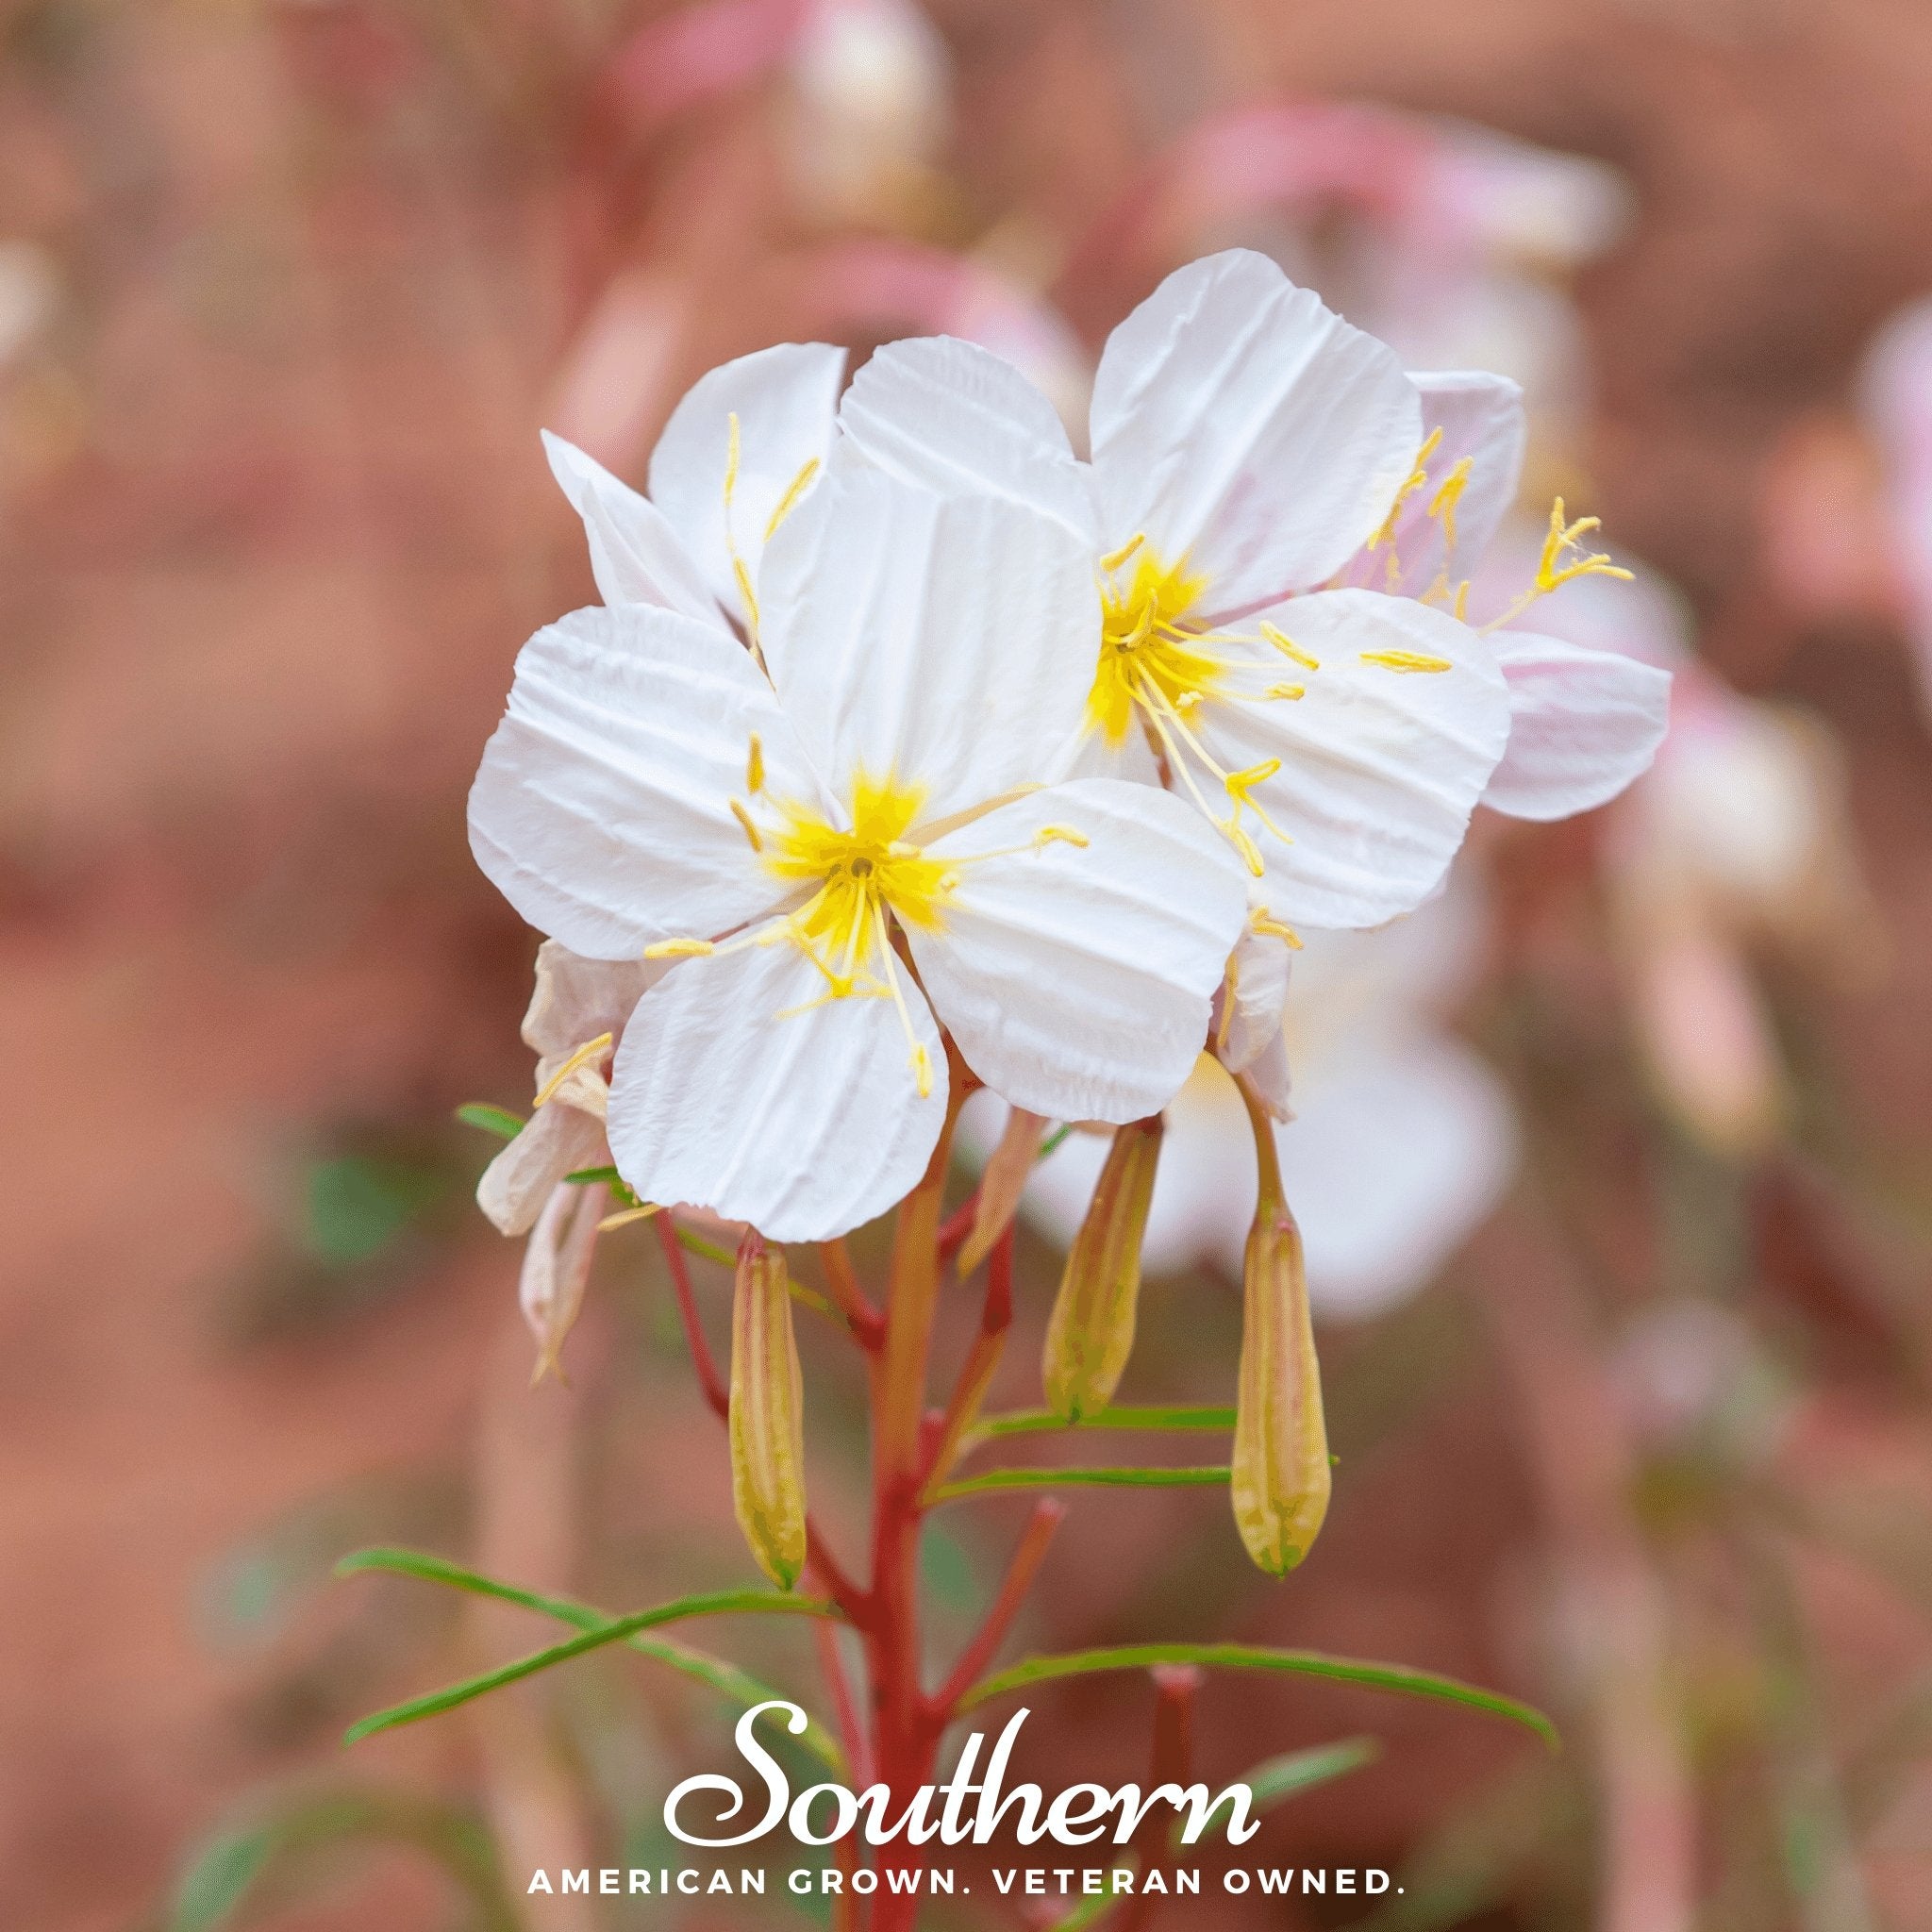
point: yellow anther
(680, 949)
(1460, 607)
(922, 1071)
(1114, 559)
(1059, 834)
(731, 463)
(755, 766)
(793, 490)
(1239, 784)
(1239, 837)
(1408, 660)
(1415, 481)
(1267, 926)
(1552, 572)
(1289, 648)
(751, 831)
(1442, 504)
(745, 590)
(1286, 690)
(625, 1216)
(587, 1055)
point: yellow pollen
(1552, 571)
(1289, 648)
(793, 490)
(587, 1055)
(751, 831)
(680, 949)
(1416, 478)
(1287, 690)
(1267, 926)
(755, 766)
(1063, 835)
(1147, 649)
(1114, 559)
(1408, 660)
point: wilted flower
(784, 832)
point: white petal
(558, 1139)
(786, 400)
(1380, 768)
(1481, 418)
(952, 640)
(602, 809)
(1239, 422)
(1583, 725)
(804, 1126)
(1250, 1015)
(954, 417)
(636, 557)
(574, 999)
(1077, 980)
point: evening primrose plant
(909, 755)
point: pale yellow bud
(1091, 1332)
(767, 1422)
(1281, 1478)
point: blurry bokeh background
(1617, 1163)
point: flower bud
(767, 1418)
(1280, 1478)
(1004, 1181)
(1091, 1332)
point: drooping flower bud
(767, 1416)
(1281, 1477)
(1091, 1332)
(1002, 1183)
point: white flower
(1272, 506)
(740, 450)
(1402, 1144)
(783, 832)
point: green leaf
(1052, 1144)
(1245, 1656)
(1030, 1422)
(231, 1880)
(736, 1686)
(357, 1205)
(499, 1120)
(1089, 1911)
(996, 1479)
(710, 1604)
(1279, 1779)
(585, 1175)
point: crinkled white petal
(1482, 421)
(1239, 422)
(1077, 980)
(1583, 725)
(950, 641)
(739, 1089)
(1252, 1000)
(574, 1000)
(636, 557)
(602, 809)
(558, 1139)
(954, 417)
(1380, 768)
(786, 400)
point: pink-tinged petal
(602, 810)
(558, 1140)
(1583, 725)
(1241, 424)
(739, 1088)
(636, 557)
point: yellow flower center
(1148, 654)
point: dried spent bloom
(1091, 1333)
(844, 835)
(767, 1414)
(1280, 1476)
(1277, 511)
(557, 1269)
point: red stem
(868, 1324)
(957, 1226)
(996, 1318)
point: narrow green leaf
(1054, 1139)
(711, 1604)
(736, 1686)
(584, 1176)
(1032, 1421)
(1279, 1779)
(499, 1120)
(703, 1250)
(995, 1480)
(1399, 1678)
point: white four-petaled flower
(843, 834)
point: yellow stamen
(1063, 835)
(680, 949)
(1289, 648)
(751, 831)
(587, 1055)
(1287, 690)
(755, 766)
(1442, 504)
(745, 590)
(1411, 483)
(1460, 607)
(1408, 660)
(1114, 559)
(625, 1216)
(793, 490)
(1267, 926)
(731, 449)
